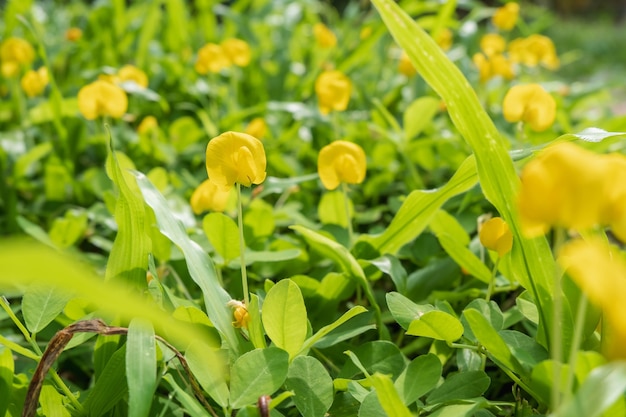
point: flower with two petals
(341, 162)
(102, 98)
(333, 89)
(531, 104)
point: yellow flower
(102, 98)
(600, 272)
(34, 82)
(132, 73)
(531, 104)
(237, 51)
(506, 16)
(493, 66)
(235, 157)
(568, 186)
(492, 44)
(405, 67)
(212, 58)
(148, 124)
(240, 313)
(324, 37)
(209, 196)
(333, 91)
(533, 51)
(257, 128)
(341, 161)
(444, 38)
(73, 34)
(495, 235)
(365, 33)
(15, 53)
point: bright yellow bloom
(405, 67)
(102, 98)
(506, 16)
(568, 186)
(148, 124)
(237, 51)
(333, 91)
(601, 274)
(73, 34)
(495, 235)
(209, 196)
(493, 66)
(534, 50)
(132, 73)
(212, 58)
(324, 37)
(444, 38)
(235, 157)
(257, 128)
(15, 53)
(492, 44)
(34, 82)
(341, 161)
(531, 104)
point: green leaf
(259, 219)
(456, 410)
(284, 316)
(67, 230)
(419, 208)
(141, 367)
(25, 164)
(461, 386)
(319, 335)
(255, 373)
(593, 134)
(370, 406)
(420, 377)
(388, 396)
(312, 385)
(602, 388)
(332, 209)
(418, 115)
(438, 325)
(403, 310)
(209, 373)
(110, 387)
(223, 234)
(532, 258)
(255, 327)
(52, 402)
(465, 258)
(190, 404)
(41, 305)
(392, 266)
(7, 368)
(201, 268)
(377, 356)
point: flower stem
(492, 281)
(578, 332)
(242, 247)
(346, 203)
(556, 345)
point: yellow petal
(531, 104)
(506, 16)
(209, 196)
(341, 161)
(235, 157)
(237, 51)
(324, 37)
(102, 98)
(132, 73)
(212, 58)
(495, 235)
(333, 91)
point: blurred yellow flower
(34, 82)
(341, 161)
(132, 73)
(492, 44)
(212, 58)
(495, 235)
(444, 38)
(73, 34)
(531, 104)
(148, 124)
(534, 50)
(209, 196)
(365, 33)
(257, 128)
(506, 16)
(235, 157)
(102, 98)
(493, 66)
(333, 91)
(324, 37)
(570, 187)
(600, 272)
(405, 67)
(15, 53)
(237, 51)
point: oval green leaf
(437, 325)
(312, 385)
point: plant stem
(242, 247)
(578, 332)
(492, 280)
(346, 203)
(556, 346)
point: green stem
(242, 247)
(346, 204)
(577, 338)
(492, 280)
(556, 347)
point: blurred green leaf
(7, 368)
(223, 234)
(419, 115)
(141, 367)
(111, 386)
(388, 396)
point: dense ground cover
(266, 208)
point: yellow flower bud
(506, 16)
(531, 104)
(341, 161)
(15, 53)
(324, 37)
(257, 128)
(235, 157)
(492, 44)
(132, 73)
(333, 91)
(240, 313)
(405, 67)
(444, 38)
(102, 98)
(73, 34)
(34, 82)
(148, 124)
(495, 235)
(237, 51)
(212, 58)
(209, 196)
